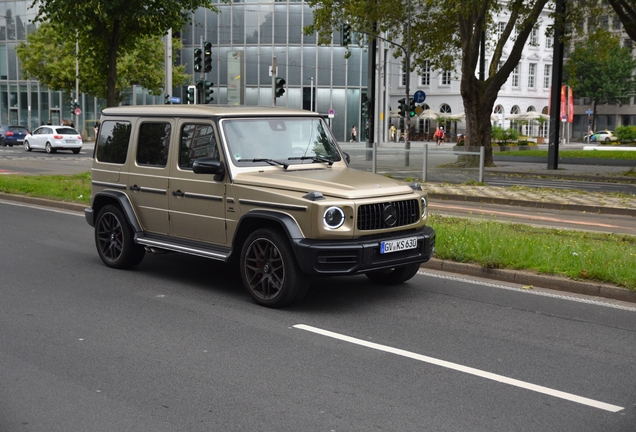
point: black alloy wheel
(114, 239)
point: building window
(534, 37)
(501, 26)
(515, 77)
(446, 78)
(616, 23)
(425, 79)
(532, 75)
(549, 41)
(547, 76)
(628, 43)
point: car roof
(203, 110)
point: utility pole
(407, 139)
(168, 63)
(557, 80)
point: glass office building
(317, 77)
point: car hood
(343, 183)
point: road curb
(527, 278)
(535, 204)
(64, 205)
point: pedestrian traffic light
(166, 99)
(411, 107)
(198, 60)
(192, 92)
(280, 87)
(402, 107)
(346, 34)
(207, 92)
(207, 56)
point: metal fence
(423, 161)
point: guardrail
(418, 162)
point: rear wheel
(394, 275)
(114, 239)
(49, 149)
(76, 151)
(607, 140)
(269, 269)
(3, 142)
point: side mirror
(209, 166)
(347, 157)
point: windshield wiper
(269, 161)
(314, 158)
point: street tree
(49, 57)
(109, 28)
(447, 35)
(601, 70)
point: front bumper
(320, 257)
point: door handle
(135, 188)
(178, 193)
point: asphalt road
(176, 345)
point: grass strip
(576, 254)
(76, 188)
(575, 154)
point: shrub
(504, 136)
(626, 133)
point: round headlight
(424, 208)
(334, 217)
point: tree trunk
(479, 99)
(112, 95)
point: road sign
(331, 113)
(175, 100)
(589, 112)
(419, 97)
(77, 111)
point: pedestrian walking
(393, 131)
(439, 135)
(353, 134)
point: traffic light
(365, 109)
(74, 106)
(280, 87)
(402, 107)
(198, 60)
(346, 34)
(411, 107)
(207, 92)
(207, 56)
(166, 99)
(192, 94)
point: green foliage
(600, 69)
(50, 58)
(626, 133)
(108, 29)
(504, 136)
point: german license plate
(398, 245)
(70, 141)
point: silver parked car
(53, 138)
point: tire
(114, 239)
(607, 140)
(394, 275)
(49, 149)
(3, 142)
(76, 151)
(269, 270)
(27, 147)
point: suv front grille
(388, 215)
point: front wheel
(27, 147)
(114, 239)
(394, 275)
(269, 269)
(607, 140)
(48, 148)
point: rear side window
(67, 131)
(197, 141)
(114, 138)
(17, 129)
(153, 144)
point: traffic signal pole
(274, 81)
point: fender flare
(124, 204)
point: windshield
(266, 141)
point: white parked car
(604, 136)
(54, 138)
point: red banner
(563, 103)
(570, 105)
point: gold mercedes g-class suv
(267, 189)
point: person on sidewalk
(393, 131)
(353, 134)
(439, 135)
